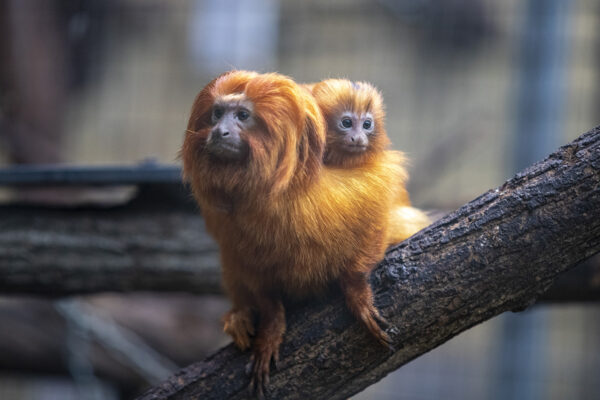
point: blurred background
(475, 91)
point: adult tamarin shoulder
(357, 140)
(286, 226)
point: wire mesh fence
(474, 91)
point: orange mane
(286, 146)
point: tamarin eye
(217, 112)
(367, 124)
(243, 115)
(347, 123)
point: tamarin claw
(259, 368)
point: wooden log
(57, 252)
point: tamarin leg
(239, 324)
(359, 299)
(239, 321)
(269, 336)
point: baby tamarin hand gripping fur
(356, 139)
(286, 227)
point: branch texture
(62, 252)
(495, 254)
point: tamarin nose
(358, 139)
(218, 133)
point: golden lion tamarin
(286, 227)
(356, 138)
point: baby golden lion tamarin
(356, 138)
(286, 227)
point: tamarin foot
(265, 348)
(259, 367)
(370, 317)
(359, 299)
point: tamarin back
(356, 139)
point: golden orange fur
(338, 96)
(286, 227)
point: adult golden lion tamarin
(286, 226)
(357, 139)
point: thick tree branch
(495, 254)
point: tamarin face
(231, 116)
(354, 130)
(355, 120)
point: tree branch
(494, 254)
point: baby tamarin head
(252, 133)
(355, 121)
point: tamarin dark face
(355, 130)
(231, 116)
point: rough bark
(495, 254)
(62, 252)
